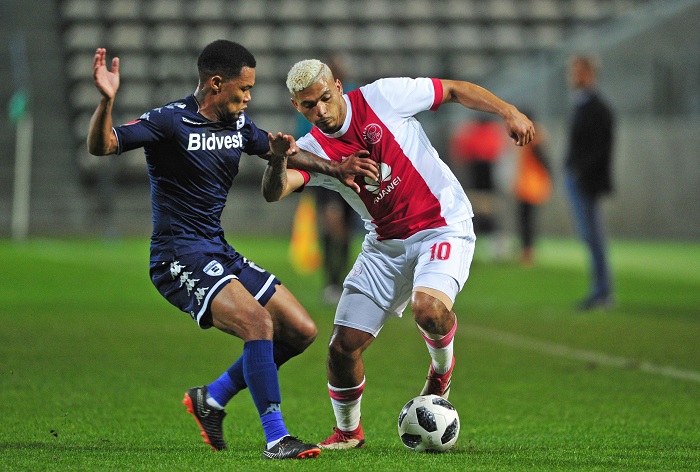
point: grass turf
(93, 366)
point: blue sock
(260, 374)
(273, 425)
(232, 381)
(226, 386)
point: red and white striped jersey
(416, 190)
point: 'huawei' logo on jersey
(372, 133)
(385, 180)
(212, 142)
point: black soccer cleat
(290, 447)
(208, 419)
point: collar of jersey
(207, 120)
(203, 117)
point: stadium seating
(158, 42)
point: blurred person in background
(193, 148)
(475, 148)
(588, 173)
(532, 187)
(420, 240)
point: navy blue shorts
(192, 281)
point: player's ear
(216, 82)
(294, 103)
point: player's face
(235, 95)
(322, 104)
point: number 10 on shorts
(440, 251)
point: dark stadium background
(517, 48)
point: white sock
(441, 349)
(346, 405)
(213, 403)
(347, 414)
(441, 357)
(272, 443)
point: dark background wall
(651, 74)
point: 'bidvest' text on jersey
(212, 142)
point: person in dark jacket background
(588, 173)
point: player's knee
(295, 328)
(259, 323)
(340, 348)
(306, 333)
(429, 312)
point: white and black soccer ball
(429, 423)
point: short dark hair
(224, 58)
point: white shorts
(386, 272)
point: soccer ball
(429, 423)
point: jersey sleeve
(258, 143)
(304, 175)
(319, 180)
(152, 127)
(408, 96)
(309, 144)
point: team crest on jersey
(356, 270)
(241, 121)
(372, 133)
(214, 269)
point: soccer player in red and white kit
(420, 240)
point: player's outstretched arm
(101, 139)
(518, 126)
(278, 181)
(357, 164)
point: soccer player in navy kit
(193, 147)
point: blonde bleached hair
(305, 73)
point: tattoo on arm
(274, 179)
(311, 163)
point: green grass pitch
(93, 366)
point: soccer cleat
(290, 447)
(438, 384)
(344, 439)
(208, 419)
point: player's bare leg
(294, 331)
(437, 324)
(346, 382)
(291, 322)
(236, 312)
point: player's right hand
(107, 82)
(358, 164)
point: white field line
(560, 350)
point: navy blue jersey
(191, 165)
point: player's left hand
(520, 128)
(282, 145)
(358, 164)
